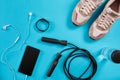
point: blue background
(58, 12)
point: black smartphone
(29, 60)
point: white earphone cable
(8, 48)
(28, 32)
(25, 77)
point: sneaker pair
(84, 10)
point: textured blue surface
(58, 12)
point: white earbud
(29, 18)
(30, 14)
(6, 26)
(9, 25)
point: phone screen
(29, 60)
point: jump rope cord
(75, 53)
(6, 50)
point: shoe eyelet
(84, 5)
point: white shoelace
(105, 21)
(88, 7)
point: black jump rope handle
(53, 65)
(55, 62)
(50, 40)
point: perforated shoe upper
(103, 23)
(84, 10)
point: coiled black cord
(75, 53)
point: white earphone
(5, 27)
(13, 44)
(30, 16)
(30, 13)
(9, 25)
(16, 40)
(3, 53)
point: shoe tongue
(112, 13)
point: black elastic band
(44, 21)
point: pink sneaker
(84, 10)
(109, 15)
